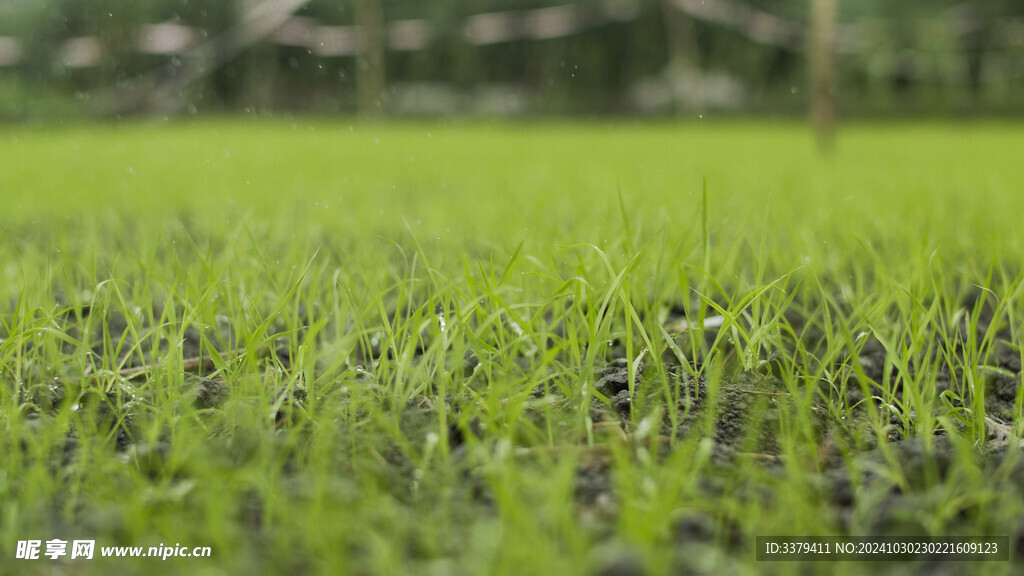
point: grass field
(507, 348)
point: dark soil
(742, 414)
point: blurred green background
(64, 58)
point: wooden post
(257, 67)
(370, 73)
(975, 43)
(681, 38)
(821, 59)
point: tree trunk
(370, 73)
(822, 66)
